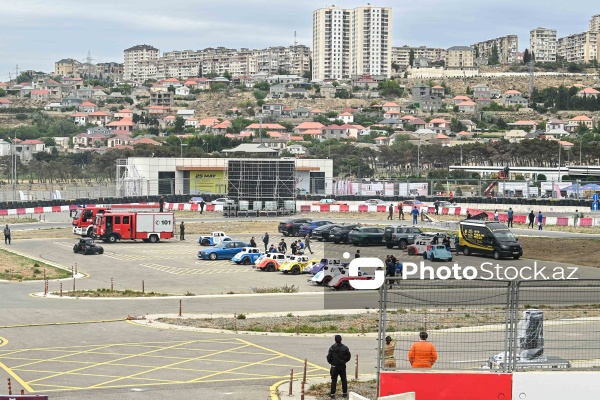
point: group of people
(414, 212)
(422, 354)
(297, 247)
(393, 268)
(532, 218)
(441, 239)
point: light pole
(559, 148)
(181, 146)
(13, 169)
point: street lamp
(13, 170)
(181, 146)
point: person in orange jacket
(422, 354)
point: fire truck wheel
(153, 239)
(112, 238)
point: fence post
(290, 393)
(235, 322)
(9, 387)
(61, 290)
(111, 284)
(73, 285)
(180, 306)
(143, 287)
(297, 325)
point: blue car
(247, 256)
(437, 252)
(306, 229)
(222, 251)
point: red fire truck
(83, 219)
(148, 226)
(84, 216)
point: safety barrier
(489, 385)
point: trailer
(147, 226)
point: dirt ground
(17, 268)
(571, 251)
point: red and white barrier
(533, 385)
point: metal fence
(57, 191)
(506, 326)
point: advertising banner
(208, 182)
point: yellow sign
(208, 181)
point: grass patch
(276, 289)
(111, 293)
(367, 389)
(14, 267)
(24, 220)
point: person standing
(265, 240)
(337, 357)
(390, 270)
(294, 247)
(307, 244)
(496, 217)
(357, 254)
(531, 219)
(6, 234)
(252, 242)
(182, 231)
(161, 203)
(282, 246)
(511, 216)
(401, 211)
(388, 353)
(300, 247)
(422, 354)
(540, 219)
(202, 203)
(391, 212)
(415, 215)
(436, 204)
(575, 217)
(468, 215)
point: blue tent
(591, 186)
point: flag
(557, 190)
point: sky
(36, 33)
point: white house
(182, 91)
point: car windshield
(505, 236)
(77, 214)
(221, 245)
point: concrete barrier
(555, 385)
(403, 396)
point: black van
(488, 238)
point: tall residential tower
(348, 43)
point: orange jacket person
(422, 354)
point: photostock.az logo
(362, 283)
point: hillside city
(388, 111)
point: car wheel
(205, 242)
(425, 256)
(450, 259)
(411, 251)
(326, 281)
(336, 241)
(101, 250)
(246, 261)
(153, 239)
(403, 244)
(389, 246)
(344, 286)
(496, 255)
(212, 256)
(75, 249)
(285, 234)
(346, 240)
(516, 257)
(295, 270)
(270, 267)
(466, 251)
(112, 238)
(295, 232)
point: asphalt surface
(84, 349)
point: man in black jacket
(337, 357)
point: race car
(271, 262)
(437, 252)
(342, 281)
(295, 264)
(87, 246)
(247, 256)
(323, 277)
(316, 267)
(213, 239)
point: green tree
(526, 56)
(411, 58)
(179, 125)
(227, 75)
(171, 89)
(264, 86)
(342, 94)
(389, 88)
(456, 126)
(494, 57)
(2, 92)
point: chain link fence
(498, 325)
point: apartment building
(543, 44)
(595, 23)
(133, 56)
(579, 47)
(401, 55)
(183, 64)
(66, 67)
(460, 57)
(507, 47)
(352, 42)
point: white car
(374, 202)
(223, 201)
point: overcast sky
(36, 33)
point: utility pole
(88, 60)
